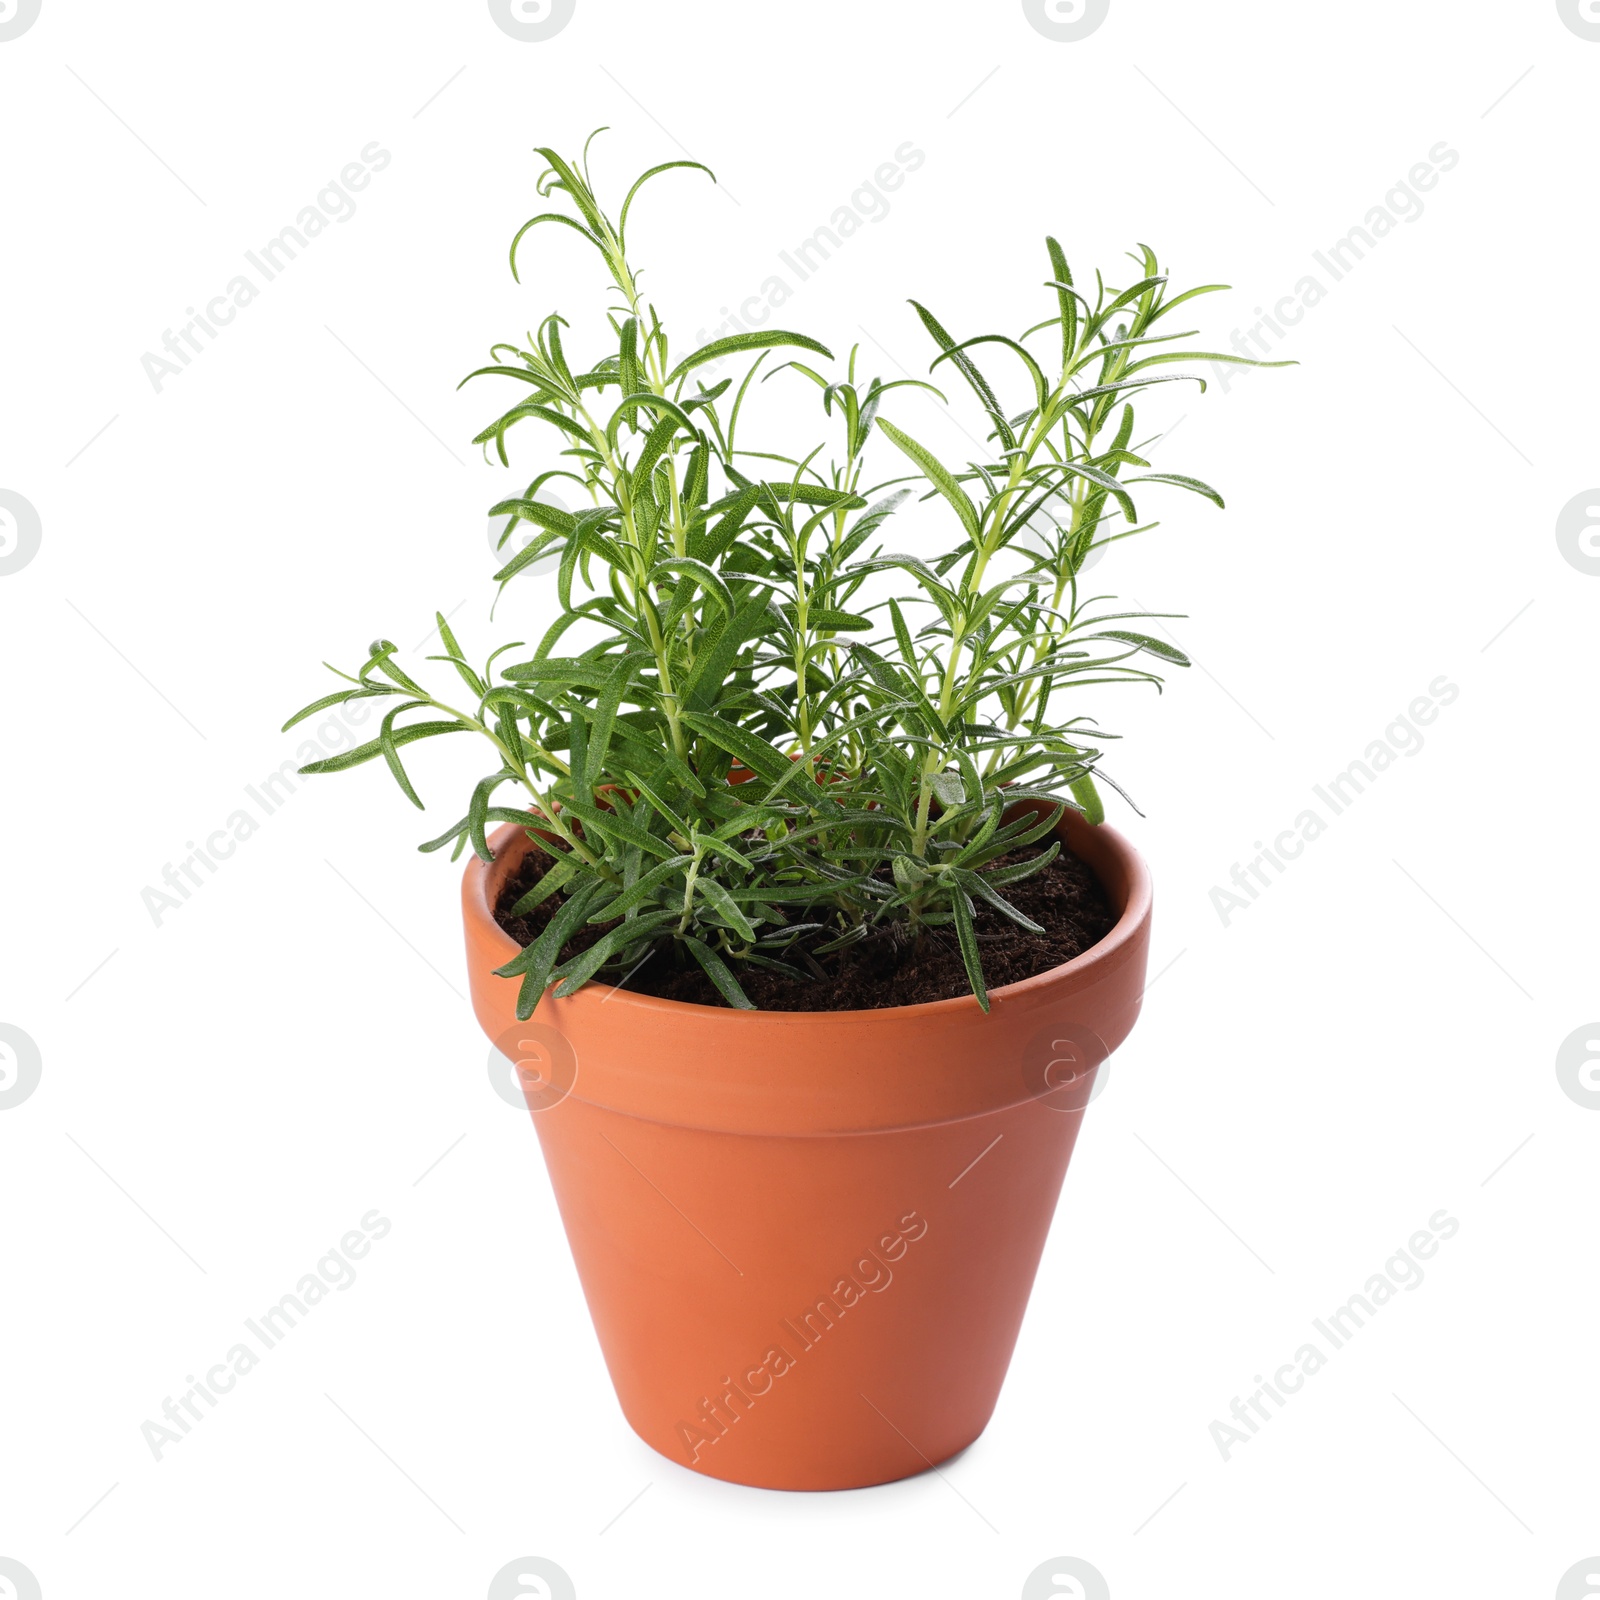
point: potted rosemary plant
(789, 891)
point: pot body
(807, 1239)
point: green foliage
(754, 734)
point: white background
(224, 1095)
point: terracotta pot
(807, 1239)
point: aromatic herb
(739, 744)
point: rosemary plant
(737, 744)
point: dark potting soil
(887, 968)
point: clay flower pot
(807, 1239)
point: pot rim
(509, 843)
